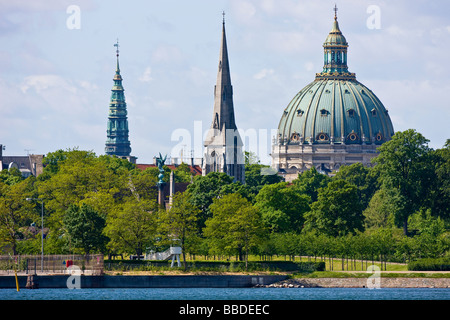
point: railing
(165, 255)
(52, 264)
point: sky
(57, 61)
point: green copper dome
(335, 108)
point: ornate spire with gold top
(117, 142)
(335, 54)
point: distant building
(223, 144)
(333, 121)
(29, 165)
(117, 142)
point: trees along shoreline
(397, 210)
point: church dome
(335, 108)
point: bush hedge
(221, 266)
(440, 264)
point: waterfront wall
(179, 281)
(362, 283)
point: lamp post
(42, 230)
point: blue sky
(55, 82)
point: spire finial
(117, 55)
(223, 17)
(117, 45)
(335, 11)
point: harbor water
(229, 294)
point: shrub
(439, 264)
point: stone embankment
(362, 283)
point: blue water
(229, 294)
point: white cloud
(41, 83)
(146, 76)
(263, 73)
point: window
(351, 112)
(374, 112)
(300, 112)
(322, 137)
(324, 112)
(295, 137)
(379, 136)
(352, 136)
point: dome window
(374, 112)
(295, 137)
(322, 137)
(300, 112)
(352, 136)
(379, 136)
(327, 91)
(324, 112)
(346, 91)
(351, 112)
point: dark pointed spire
(223, 102)
(117, 142)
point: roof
(335, 107)
(195, 169)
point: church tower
(223, 144)
(117, 142)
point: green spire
(117, 142)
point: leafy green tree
(258, 175)
(205, 189)
(15, 213)
(84, 228)
(235, 226)
(11, 176)
(404, 164)
(337, 210)
(379, 212)
(310, 181)
(364, 178)
(439, 195)
(131, 227)
(282, 207)
(180, 222)
(183, 174)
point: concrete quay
(159, 281)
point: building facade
(223, 144)
(333, 121)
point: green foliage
(180, 222)
(337, 210)
(205, 189)
(11, 176)
(365, 179)
(282, 207)
(84, 228)
(310, 182)
(235, 226)
(405, 165)
(378, 213)
(440, 264)
(258, 175)
(355, 214)
(132, 226)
